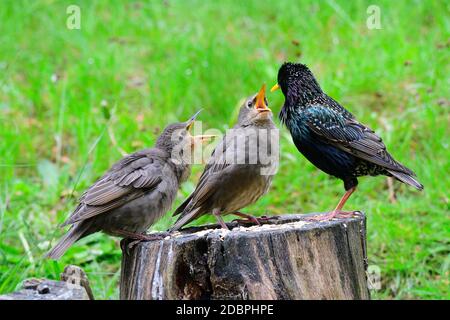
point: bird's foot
(246, 222)
(153, 236)
(131, 240)
(124, 245)
(249, 219)
(332, 215)
(268, 219)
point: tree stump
(288, 258)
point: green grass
(156, 63)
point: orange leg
(337, 212)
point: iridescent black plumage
(329, 136)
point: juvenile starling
(330, 137)
(135, 192)
(240, 169)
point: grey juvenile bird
(240, 169)
(137, 190)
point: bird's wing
(128, 179)
(229, 154)
(216, 165)
(351, 136)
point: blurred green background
(135, 66)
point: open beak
(199, 138)
(203, 138)
(275, 87)
(191, 121)
(260, 104)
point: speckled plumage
(329, 136)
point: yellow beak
(202, 138)
(275, 87)
(260, 99)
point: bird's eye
(249, 104)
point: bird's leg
(337, 212)
(216, 213)
(338, 209)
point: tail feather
(75, 233)
(407, 178)
(181, 208)
(184, 219)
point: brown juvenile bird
(240, 169)
(136, 192)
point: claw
(156, 236)
(131, 245)
(128, 243)
(256, 221)
(247, 221)
(125, 245)
(268, 219)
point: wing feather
(351, 136)
(127, 180)
(216, 164)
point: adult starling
(135, 192)
(330, 137)
(240, 169)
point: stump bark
(288, 258)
